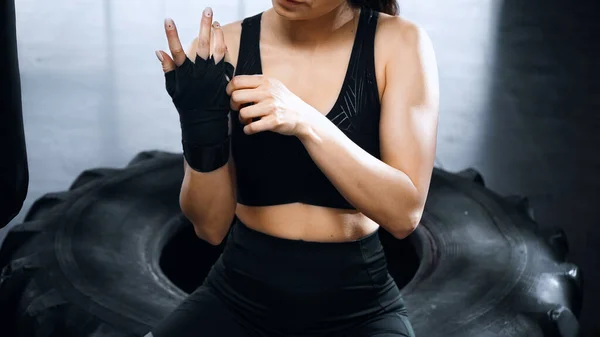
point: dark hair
(385, 6)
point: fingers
(244, 82)
(263, 124)
(245, 96)
(258, 110)
(219, 42)
(203, 47)
(167, 62)
(244, 121)
(229, 70)
(174, 43)
(227, 57)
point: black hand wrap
(198, 92)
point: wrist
(308, 128)
(204, 127)
(206, 158)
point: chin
(296, 10)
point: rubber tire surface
(86, 262)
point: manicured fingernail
(159, 55)
(169, 23)
(208, 11)
(216, 24)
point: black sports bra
(274, 169)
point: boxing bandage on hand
(198, 92)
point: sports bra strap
(248, 62)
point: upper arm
(410, 103)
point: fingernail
(216, 24)
(208, 11)
(169, 23)
(159, 55)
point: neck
(314, 30)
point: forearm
(384, 194)
(208, 201)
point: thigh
(388, 325)
(200, 314)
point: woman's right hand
(198, 88)
(196, 84)
(202, 47)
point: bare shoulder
(232, 32)
(403, 52)
(398, 36)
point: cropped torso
(275, 175)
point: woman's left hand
(271, 105)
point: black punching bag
(14, 174)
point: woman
(309, 170)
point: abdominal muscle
(298, 221)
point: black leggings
(263, 286)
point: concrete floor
(519, 84)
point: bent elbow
(213, 239)
(403, 233)
(406, 226)
(205, 229)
